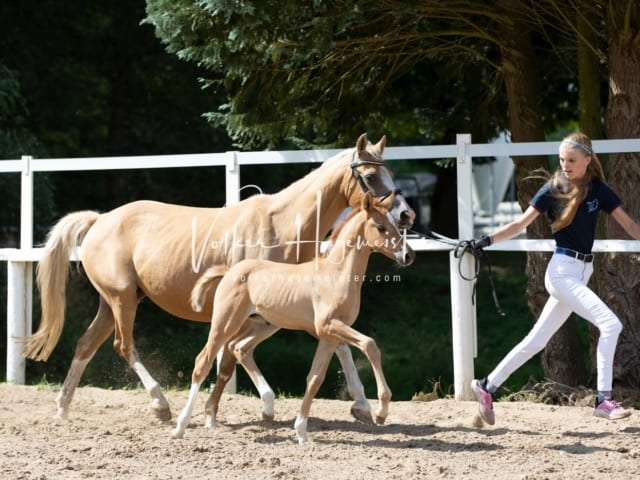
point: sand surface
(112, 434)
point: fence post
(18, 318)
(463, 311)
(20, 284)
(232, 188)
(232, 179)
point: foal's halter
(365, 188)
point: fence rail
(20, 260)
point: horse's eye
(370, 176)
(381, 228)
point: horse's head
(369, 170)
(382, 234)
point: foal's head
(376, 230)
(382, 234)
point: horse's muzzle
(407, 217)
(408, 258)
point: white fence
(20, 261)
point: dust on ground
(112, 434)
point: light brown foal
(321, 296)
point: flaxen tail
(51, 278)
(204, 285)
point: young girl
(571, 199)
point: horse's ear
(367, 201)
(379, 147)
(361, 144)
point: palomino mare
(151, 249)
(321, 296)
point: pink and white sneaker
(611, 410)
(485, 402)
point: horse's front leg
(372, 352)
(368, 346)
(361, 409)
(316, 376)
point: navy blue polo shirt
(578, 235)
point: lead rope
(466, 246)
(460, 247)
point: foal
(321, 296)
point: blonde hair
(572, 195)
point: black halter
(354, 170)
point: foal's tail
(51, 278)
(204, 285)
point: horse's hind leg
(86, 347)
(361, 409)
(243, 345)
(226, 367)
(224, 324)
(124, 311)
(317, 373)
(202, 367)
(240, 349)
(159, 404)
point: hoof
(162, 414)
(267, 419)
(380, 420)
(61, 415)
(363, 416)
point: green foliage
(320, 73)
(93, 82)
(97, 83)
(17, 139)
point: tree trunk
(589, 105)
(561, 358)
(444, 203)
(619, 281)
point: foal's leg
(316, 376)
(226, 321)
(226, 367)
(242, 346)
(237, 350)
(346, 334)
(86, 347)
(361, 409)
(240, 349)
(202, 367)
